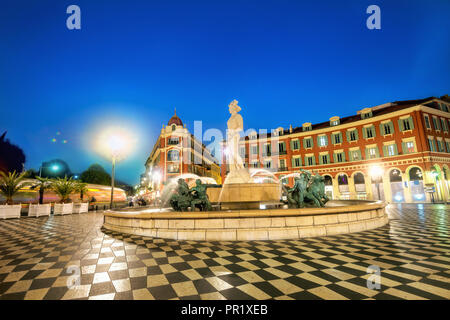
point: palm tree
(43, 184)
(63, 187)
(10, 184)
(81, 188)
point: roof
(175, 120)
(376, 111)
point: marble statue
(235, 124)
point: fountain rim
(252, 213)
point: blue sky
(132, 62)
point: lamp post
(111, 203)
(116, 144)
(376, 172)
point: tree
(10, 184)
(63, 187)
(43, 184)
(81, 188)
(12, 158)
(31, 174)
(97, 175)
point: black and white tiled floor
(39, 257)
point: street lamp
(114, 143)
(376, 172)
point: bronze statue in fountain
(307, 189)
(196, 197)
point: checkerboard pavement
(40, 256)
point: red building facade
(399, 152)
(177, 152)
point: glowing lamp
(376, 171)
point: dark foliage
(96, 174)
(12, 158)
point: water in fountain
(255, 173)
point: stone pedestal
(245, 195)
(238, 176)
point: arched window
(395, 176)
(173, 155)
(415, 174)
(342, 179)
(174, 127)
(358, 178)
(328, 181)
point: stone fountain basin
(241, 225)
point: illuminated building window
(173, 168)
(355, 155)
(242, 152)
(372, 153)
(390, 150)
(444, 124)
(307, 143)
(366, 115)
(310, 161)
(173, 155)
(431, 144)
(324, 159)
(337, 138)
(440, 146)
(295, 144)
(323, 141)
(427, 122)
(352, 135)
(436, 125)
(339, 157)
(408, 147)
(369, 132)
(406, 124)
(387, 128)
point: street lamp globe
(376, 172)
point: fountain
(242, 200)
(240, 190)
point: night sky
(133, 62)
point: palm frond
(11, 183)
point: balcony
(280, 169)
